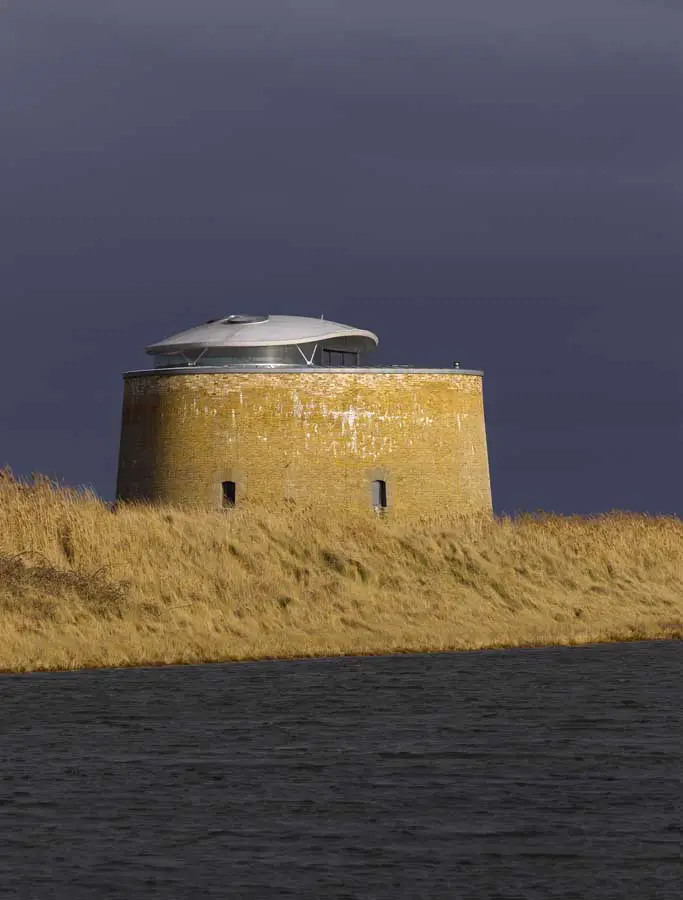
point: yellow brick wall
(307, 438)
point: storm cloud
(493, 182)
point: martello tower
(274, 410)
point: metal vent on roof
(238, 319)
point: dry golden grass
(82, 586)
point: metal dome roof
(263, 331)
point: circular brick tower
(276, 410)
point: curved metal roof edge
(340, 331)
(161, 346)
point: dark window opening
(379, 495)
(229, 493)
(340, 357)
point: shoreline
(614, 640)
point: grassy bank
(81, 586)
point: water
(520, 774)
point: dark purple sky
(490, 181)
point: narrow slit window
(229, 493)
(379, 495)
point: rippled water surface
(521, 774)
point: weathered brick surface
(308, 438)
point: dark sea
(549, 773)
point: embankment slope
(81, 586)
